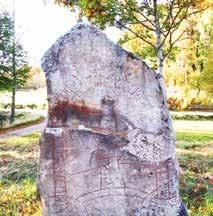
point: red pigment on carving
(59, 173)
(61, 108)
(83, 109)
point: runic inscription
(108, 147)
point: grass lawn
(18, 170)
(22, 119)
(19, 162)
(195, 153)
(34, 99)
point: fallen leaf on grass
(210, 179)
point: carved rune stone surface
(109, 147)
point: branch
(198, 11)
(147, 19)
(155, 11)
(135, 33)
(138, 11)
(174, 42)
(185, 17)
(144, 25)
(127, 40)
(186, 38)
(169, 14)
(135, 17)
(173, 24)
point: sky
(40, 22)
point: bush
(6, 106)
(175, 104)
(20, 106)
(44, 106)
(193, 117)
(32, 106)
(3, 119)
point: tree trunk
(160, 62)
(159, 53)
(159, 50)
(160, 58)
(13, 102)
(160, 74)
(13, 105)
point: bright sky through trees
(39, 23)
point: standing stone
(109, 147)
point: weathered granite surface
(109, 146)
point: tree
(159, 19)
(185, 68)
(13, 66)
(5, 41)
(143, 50)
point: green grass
(20, 144)
(192, 117)
(22, 119)
(19, 162)
(195, 153)
(190, 140)
(18, 171)
(195, 185)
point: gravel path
(25, 131)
